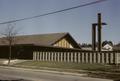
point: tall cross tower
(99, 25)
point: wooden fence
(79, 57)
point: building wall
(63, 43)
(18, 52)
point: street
(19, 74)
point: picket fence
(104, 57)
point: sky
(78, 22)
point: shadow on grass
(112, 76)
(117, 80)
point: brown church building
(24, 46)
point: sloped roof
(107, 47)
(42, 39)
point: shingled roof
(42, 39)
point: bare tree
(9, 38)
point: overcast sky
(77, 21)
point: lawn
(66, 65)
(93, 70)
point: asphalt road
(18, 74)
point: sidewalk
(12, 62)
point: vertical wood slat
(82, 57)
(111, 61)
(103, 61)
(55, 57)
(86, 57)
(46, 53)
(95, 56)
(107, 61)
(68, 56)
(75, 57)
(61, 56)
(105, 58)
(65, 56)
(100, 57)
(48, 56)
(114, 59)
(98, 54)
(90, 57)
(52, 56)
(37, 56)
(71, 57)
(118, 58)
(89, 54)
(79, 57)
(33, 56)
(43, 56)
(109, 58)
(58, 54)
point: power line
(87, 4)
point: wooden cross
(99, 25)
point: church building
(24, 45)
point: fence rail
(78, 57)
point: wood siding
(63, 43)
